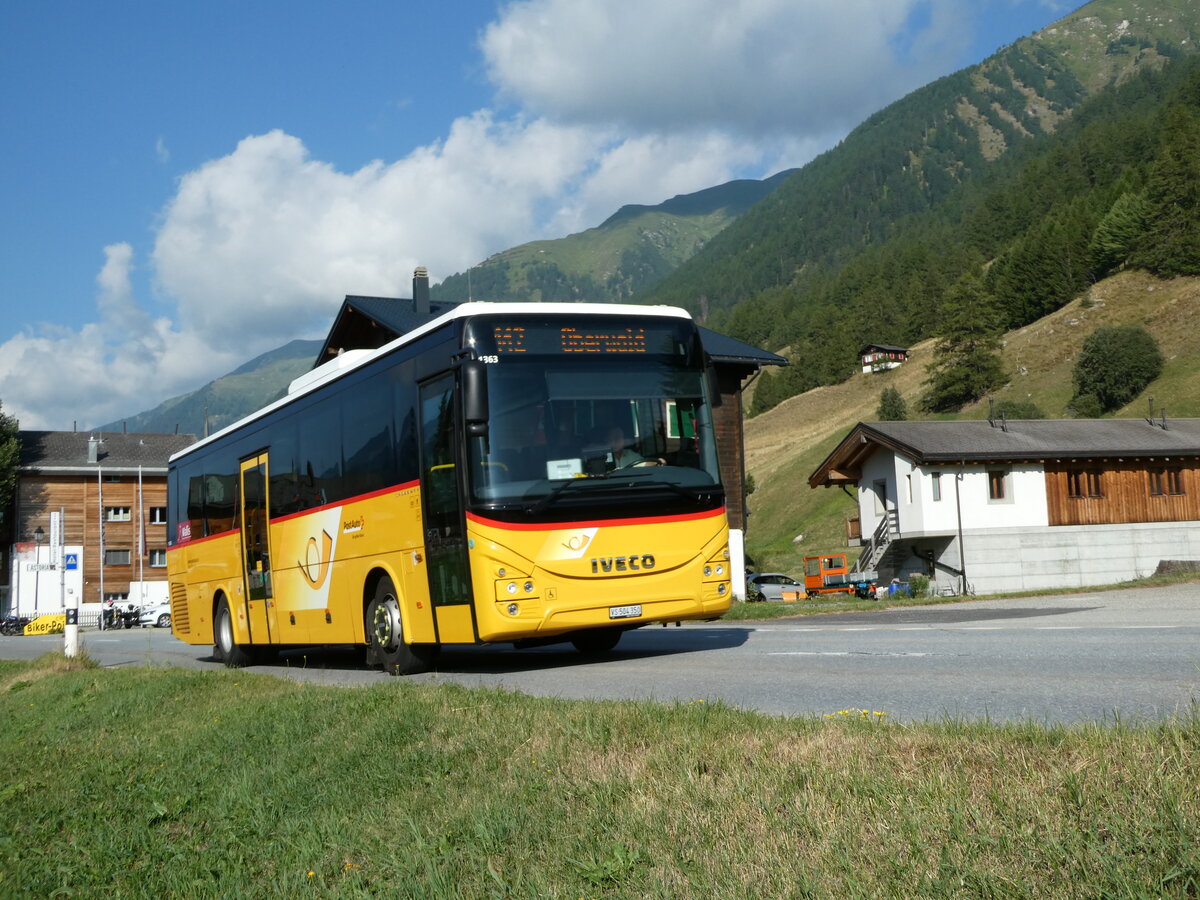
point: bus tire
(597, 641)
(232, 654)
(385, 635)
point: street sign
(72, 561)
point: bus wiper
(575, 483)
(616, 481)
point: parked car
(770, 586)
(158, 615)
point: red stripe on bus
(207, 537)
(305, 512)
(356, 499)
(596, 523)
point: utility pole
(71, 629)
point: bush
(1115, 365)
(892, 407)
(918, 584)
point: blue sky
(187, 185)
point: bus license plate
(624, 612)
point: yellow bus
(509, 472)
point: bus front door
(445, 538)
(256, 549)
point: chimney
(421, 290)
(93, 450)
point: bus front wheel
(598, 641)
(232, 654)
(385, 635)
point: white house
(879, 357)
(1022, 505)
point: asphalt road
(1128, 654)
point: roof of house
(886, 348)
(68, 450)
(371, 322)
(1009, 441)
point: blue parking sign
(72, 561)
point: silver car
(770, 586)
(158, 615)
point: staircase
(875, 548)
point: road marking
(839, 653)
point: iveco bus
(509, 472)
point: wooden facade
(112, 493)
(1113, 492)
(94, 509)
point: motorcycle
(118, 617)
(12, 625)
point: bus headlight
(722, 588)
(513, 609)
(511, 587)
(529, 587)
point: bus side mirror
(475, 397)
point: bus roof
(355, 359)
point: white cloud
(161, 152)
(618, 102)
(761, 67)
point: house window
(116, 597)
(158, 559)
(1175, 482)
(908, 487)
(880, 497)
(1166, 481)
(937, 486)
(116, 513)
(1075, 485)
(1085, 483)
(112, 479)
(116, 557)
(158, 515)
(997, 484)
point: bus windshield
(571, 432)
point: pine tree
(892, 407)
(1171, 243)
(10, 453)
(1119, 233)
(967, 364)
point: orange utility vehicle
(831, 574)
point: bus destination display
(571, 339)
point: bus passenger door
(445, 538)
(256, 549)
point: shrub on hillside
(892, 407)
(1115, 364)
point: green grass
(143, 782)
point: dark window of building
(997, 486)
(116, 557)
(158, 515)
(937, 485)
(1075, 484)
(1175, 481)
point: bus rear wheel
(232, 654)
(385, 635)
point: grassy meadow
(144, 782)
